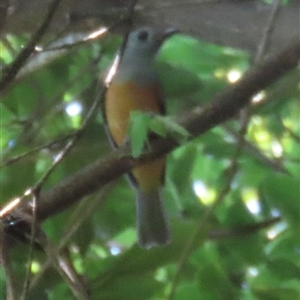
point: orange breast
(123, 98)
(120, 100)
(150, 177)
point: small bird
(136, 87)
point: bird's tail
(152, 224)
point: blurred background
(248, 245)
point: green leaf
(241, 248)
(188, 290)
(138, 131)
(117, 214)
(276, 293)
(200, 57)
(141, 261)
(283, 192)
(129, 287)
(211, 276)
(176, 81)
(284, 269)
(181, 164)
(141, 123)
(166, 125)
(283, 247)
(6, 114)
(266, 286)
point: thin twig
(256, 152)
(91, 37)
(293, 135)
(238, 231)
(10, 72)
(49, 116)
(36, 195)
(81, 214)
(11, 292)
(262, 48)
(15, 159)
(62, 263)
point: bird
(136, 87)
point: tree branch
(197, 121)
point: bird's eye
(143, 35)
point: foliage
(230, 258)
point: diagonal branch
(225, 106)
